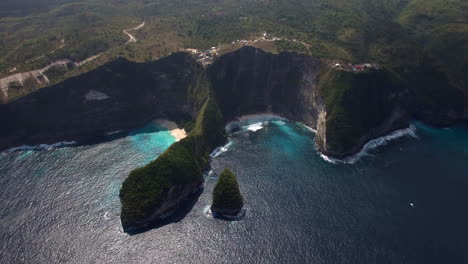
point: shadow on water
(234, 218)
(119, 134)
(175, 217)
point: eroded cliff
(118, 95)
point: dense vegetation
(357, 103)
(180, 165)
(226, 194)
(392, 32)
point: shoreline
(266, 115)
(252, 119)
(176, 132)
(371, 145)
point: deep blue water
(403, 203)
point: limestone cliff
(118, 95)
(347, 109)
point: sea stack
(227, 199)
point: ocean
(401, 201)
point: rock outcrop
(227, 198)
(347, 109)
(152, 192)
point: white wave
(113, 132)
(208, 173)
(308, 128)
(42, 146)
(278, 122)
(253, 122)
(207, 211)
(373, 144)
(255, 127)
(106, 217)
(220, 150)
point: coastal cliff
(119, 95)
(152, 192)
(347, 109)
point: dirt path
(39, 75)
(132, 39)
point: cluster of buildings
(355, 67)
(264, 37)
(205, 57)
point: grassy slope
(181, 164)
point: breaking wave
(307, 127)
(255, 127)
(373, 144)
(220, 150)
(208, 213)
(42, 146)
(113, 132)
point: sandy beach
(176, 132)
(259, 116)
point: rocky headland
(347, 110)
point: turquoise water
(401, 203)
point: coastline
(176, 132)
(371, 145)
(250, 122)
(265, 116)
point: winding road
(132, 39)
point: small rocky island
(227, 199)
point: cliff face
(153, 192)
(250, 80)
(118, 95)
(360, 107)
(347, 109)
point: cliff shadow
(176, 216)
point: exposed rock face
(250, 80)
(346, 109)
(118, 95)
(175, 197)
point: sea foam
(220, 150)
(113, 132)
(373, 144)
(42, 146)
(255, 127)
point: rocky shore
(347, 110)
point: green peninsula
(154, 191)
